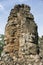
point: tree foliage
(1, 42)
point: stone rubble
(21, 38)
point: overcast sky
(36, 9)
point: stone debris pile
(21, 38)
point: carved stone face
(26, 41)
(26, 37)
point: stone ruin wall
(21, 38)
(41, 46)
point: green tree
(1, 43)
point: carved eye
(12, 32)
(12, 40)
(6, 52)
(13, 23)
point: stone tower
(21, 38)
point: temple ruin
(21, 38)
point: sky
(36, 10)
